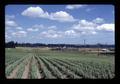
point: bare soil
(13, 74)
(38, 73)
(27, 69)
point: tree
(10, 44)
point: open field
(36, 63)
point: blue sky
(60, 23)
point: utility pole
(106, 48)
(98, 49)
(84, 47)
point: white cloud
(35, 12)
(70, 33)
(93, 32)
(20, 34)
(35, 28)
(52, 27)
(62, 16)
(7, 36)
(87, 24)
(10, 23)
(98, 20)
(7, 27)
(38, 12)
(9, 16)
(84, 27)
(90, 27)
(32, 29)
(38, 26)
(19, 28)
(106, 27)
(71, 7)
(51, 34)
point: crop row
(85, 69)
(43, 66)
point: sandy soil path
(13, 74)
(26, 71)
(38, 73)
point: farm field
(34, 63)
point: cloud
(35, 28)
(32, 29)
(52, 27)
(38, 12)
(87, 24)
(7, 27)
(9, 16)
(106, 27)
(19, 34)
(7, 36)
(71, 7)
(35, 12)
(93, 32)
(92, 27)
(70, 33)
(39, 26)
(10, 23)
(19, 28)
(98, 20)
(51, 34)
(84, 27)
(62, 16)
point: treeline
(13, 44)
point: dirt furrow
(13, 74)
(26, 71)
(38, 73)
(41, 75)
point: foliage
(59, 64)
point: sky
(53, 24)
